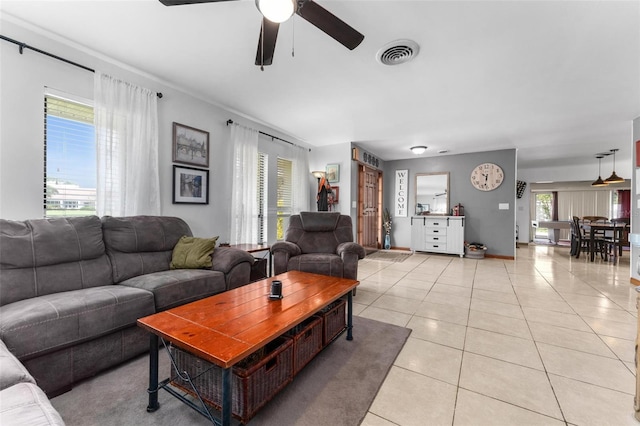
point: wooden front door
(369, 229)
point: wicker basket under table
(253, 381)
(333, 320)
(307, 342)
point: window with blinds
(284, 194)
(69, 158)
(262, 197)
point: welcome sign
(401, 198)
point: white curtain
(126, 123)
(300, 184)
(244, 200)
(582, 203)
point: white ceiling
(559, 80)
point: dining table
(618, 230)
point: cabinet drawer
(436, 223)
(436, 239)
(440, 247)
(435, 231)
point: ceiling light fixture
(418, 149)
(277, 11)
(599, 181)
(614, 178)
(318, 174)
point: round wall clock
(487, 177)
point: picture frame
(334, 197)
(190, 185)
(332, 172)
(190, 145)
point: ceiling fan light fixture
(277, 11)
(418, 149)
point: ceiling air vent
(398, 52)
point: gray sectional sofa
(71, 290)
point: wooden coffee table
(225, 328)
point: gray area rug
(389, 256)
(336, 388)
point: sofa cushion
(179, 286)
(317, 263)
(42, 324)
(193, 253)
(11, 370)
(26, 404)
(139, 245)
(44, 256)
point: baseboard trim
(634, 281)
(499, 256)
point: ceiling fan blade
(180, 2)
(330, 24)
(269, 31)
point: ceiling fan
(276, 11)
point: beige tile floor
(543, 340)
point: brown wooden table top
(225, 328)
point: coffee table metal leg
(153, 374)
(226, 397)
(349, 315)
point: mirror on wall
(432, 193)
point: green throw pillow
(193, 253)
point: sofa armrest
(11, 370)
(235, 264)
(352, 248)
(224, 259)
(282, 251)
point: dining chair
(616, 240)
(583, 240)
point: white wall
(340, 154)
(635, 205)
(22, 82)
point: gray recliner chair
(318, 242)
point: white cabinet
(439, 234)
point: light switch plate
(503, 206)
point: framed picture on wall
(190, 186)
(334, 196)
(333, 173)
(190, 145)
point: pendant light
(614, 178)
(599, 181)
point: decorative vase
(387, 242)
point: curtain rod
(22, 46)
(230, 121)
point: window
(284, 199)
(262, 197)
(69, 158)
